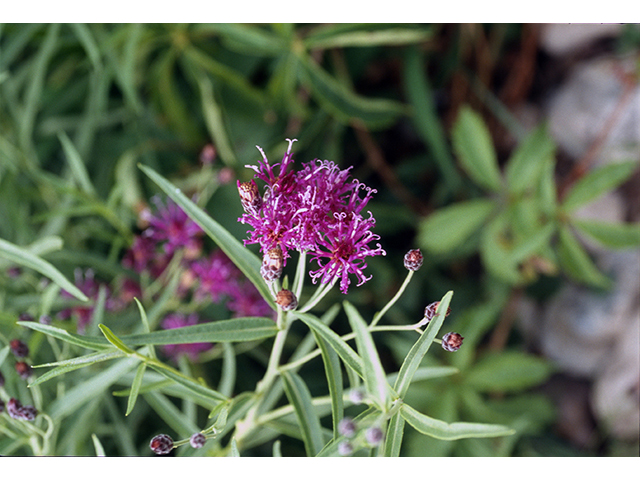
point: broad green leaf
(534, 243)
(612, 235)
(416, 354)
(451, 431)
(22, 257)
(496, 251)
(375, 380)
(340, 35)
(343, 103)
(508, 371)
(597, 182)
(527, 163)
(393, 438)
(135, 388)
(346, 353)
(425, 117)
(448, 228)
(299, 396)
(547, 195)
(242, 257)
(576, 262)
(474, 147)
(333, 372)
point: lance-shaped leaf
(416, 354)
(22, 257)
(300, 398)
(346, 353)
(393, 438)
(528, 162)
(451, 431)
(612, 235)
(375, 380)
(135, 388)
(114, 340)
(95, 343)
(74, 364)
(334, 380)
(575, 260)
(242, 257)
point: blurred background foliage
(423, 113)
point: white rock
(563, 38)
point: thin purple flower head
(87, 284)
(317, 210)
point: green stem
(380, 314)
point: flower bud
(197, 440)
(430, 311)
(250, 197)
(345, 449)
(286, 299)
(272, 263)
(347, 427)
(45, 319)
(25, 317)
(1, 405)
(161, 444)
(356, 396)
(208, 154)
(23, 369)
(29, 413)
(18, 348)
(17, 411)
(374, 436)
(452, 341)
(413, 260)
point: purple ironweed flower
(246, 301)
(143, 256)
(345, 248)
(19, 348)
(173, 227)
(316, 210)
(17, 411)
(24, 370)
(192, 350)
(217, 276)
(90, 287)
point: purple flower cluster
(317, 210)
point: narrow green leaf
(343, 103)
(22, 257)
(74, 364)
(335, 36)
(242, 257)
(252, 39)
(612, 235)
(420, 348)
(4, 352)
(333, 372)
(215, 122)
(135, 388)
(97, 445)
(95, 343)
(451, 431)
(508, 371)
(425, 117)
(576, 262)
(146, 326)
(299, 396)
(234, 452)
(496, 251)
(114, 340)
(76, 165)
(533, 243)
(346, 353)
(189, 383)
(474, 147)
(393, 438)
(449, 227)
(228, 376)
(170, 414)
(426, 373)
(598, 182)
(86, 391)
(526, 164)
(375, 380)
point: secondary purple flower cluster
(317, 210)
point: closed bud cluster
(18, 348)
(374, 436)
(23, 369)
(452, 341)
(356, 396)
(272, 264)
(45, 319)
(161, 444)
(347, 427)
(430, 311)
(286, 299)
(17, 411)
(197, 440)
(413, 260)
(345, 449)
(250, 197)
(25, 317)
